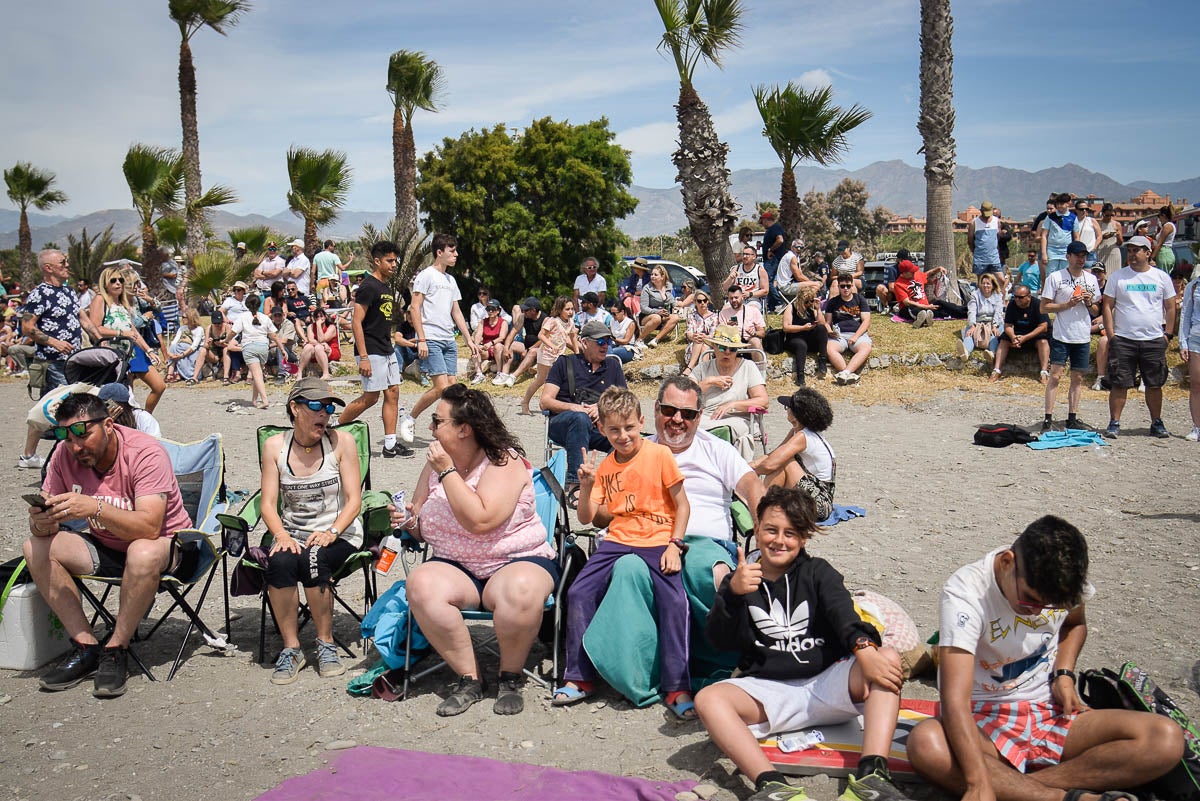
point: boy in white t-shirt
(1012, 627)
(1068, 294)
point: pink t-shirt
(142, 468)
(483, 554)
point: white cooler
(30, 634)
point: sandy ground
(934, 500)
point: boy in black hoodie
(807, 658)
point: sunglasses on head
(79, 429)
(320, 406)
(669, 411)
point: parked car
(676, 273)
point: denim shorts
(442, 359)
(1079, 354)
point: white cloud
(652, 139)
(815, 79)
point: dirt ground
(935, 502)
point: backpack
(1001, 435)
(1132, 688)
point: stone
(653, 372)
(885, 360)
(686, 796)
(931, 360)
(340, 745)
(874, 363)
(705, 791)
(955, 363)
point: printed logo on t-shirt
(786, 630)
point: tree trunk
(704, 183)
(789, 205)
(936, 125)
(310, 250)
(406, 206)
(29, 276)
(191, 151)
(152, 261)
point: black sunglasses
(320, 406)
(436, 421)
(669, 411)
(116, 280)
(79, 429)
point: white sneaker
(852, 378)
(509, 380)
(1194, 436)
(960, 348)
(498, 381)
(840, 377)
(33, 462)
(478, 379)
(1097, 387)
(406, 428)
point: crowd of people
(668, 560)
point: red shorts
(1028, 734)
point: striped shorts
(1028, 734)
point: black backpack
(1001, 435)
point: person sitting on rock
(1025, 327)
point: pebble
(340, 745)
(4, 699)
(57, 755)
(527, 743)
(705, 791)
(686, 796)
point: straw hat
(726, 336)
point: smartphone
(35, 500)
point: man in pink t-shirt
(120, 481)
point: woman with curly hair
(804, 459)
(474, 506)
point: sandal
(1111, 795)
(226, 382)
(572, 496)
(683, 711)
(567, 695)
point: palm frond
(155, 178)
(699, 30)
(804, 124)
(172, 231)
(415, 82)
(256, 237)
(320, 182)
(217, 195)
(31, 186)
(219, 15)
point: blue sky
(1109, 85)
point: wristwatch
(863, 642)
(335, 532)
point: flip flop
(566, 696)
(685, 711)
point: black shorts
(312, 567)
(1008, 339)
(547, 564)
(106, 562)
(1128, 357)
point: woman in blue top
(1189, 344)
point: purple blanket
(386, 774)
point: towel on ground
(1070, 438)
(842, 513)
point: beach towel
(1066, 439)
(386, 774)
(842, 513)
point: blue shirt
(57, 312)
(588, 384)
(1059, 234)
(1031, 276)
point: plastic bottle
(799, 741)
(391, 545)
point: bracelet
(680, 544)
(442, 475)
(95, 519)
(1063, 672)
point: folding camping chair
(376, 524)
(200, 470)
(758, 423)
(552, 509)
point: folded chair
(376, 524)
(552, 509)
(200, 470)
(758, 425)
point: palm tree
(87, 254)
(414, 82)
(803, 124)
(695, 31)
(30, 186)
(155, 178)
(414, 250)
(319, 183)
(192, 16)
(936, 124)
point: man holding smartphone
(119, 482)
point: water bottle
(799, 741)
(391, 545)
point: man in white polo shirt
(590, 280)
(298, 266)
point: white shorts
(385, 372)
(794, 704)
(843, 342)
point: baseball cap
(1099, 266)
(1076, 247)
(114, 392)
(594, 329)
(313, 388)
(493, 304)
(531, 303)
(296, 243)
(272, 246)
(986, 206)
(1138, 241)
(241, 245)
(843, 244)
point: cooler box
(30, 634)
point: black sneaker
(509, 700)
(1157, 429)
(1078, 425)
(78, 665)
(1047, 426)
(466, 693)
(399, 449)
(110, 677)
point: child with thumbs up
(807, 658)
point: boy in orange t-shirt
(637, 492)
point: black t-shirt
(374, 296)
(769, 236)
(846, 314)
(1024, 320)
(532, 329)
(298, 306)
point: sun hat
(272, 246)
(726, 336)
(313, 388)
(240, 285)
(241, 245)
(641, 264)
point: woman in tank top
(311, 497)
(804, 459)
(1163, 254)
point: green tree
(30, 186)
(192, 16)
(255, 238)
(526, 211)
(803, 125)
(414, 82)
(936, 125)
(413, 256)
(320, 182)
(155, 179)
(817, 226)
(87, 254)
(695, 31)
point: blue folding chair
(552, 509)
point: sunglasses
(116, 280)
(724, 349)
(702, 300)
(79, 430)
(320, 406)
(604, 343)
(669, 412)
(435, 422)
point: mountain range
(1019, 194)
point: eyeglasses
(79, 430)
(604, 343)
(436, 421)
(668, 411)
(1024, 599)
(320, 406)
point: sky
(1112, 86)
